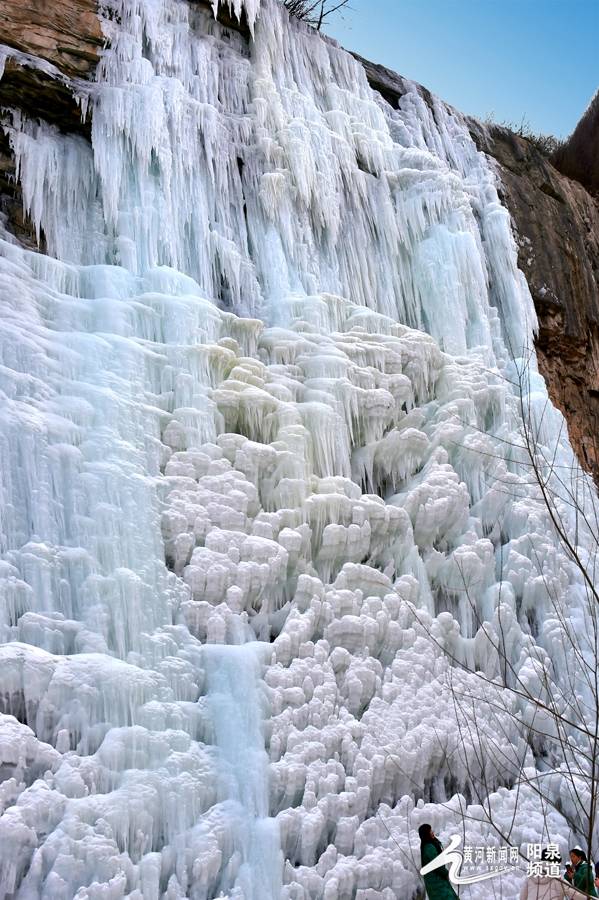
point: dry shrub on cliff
(547, 144)
(314, 12)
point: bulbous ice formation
(259, 479)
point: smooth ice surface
(235, 708)
(257, 452)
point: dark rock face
(556, 219)
(557, 226)
(11, 203)
(41, 96)
(390, 85)
(579, 156)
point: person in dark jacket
(582, 876)
(549, 887)
(436, 882)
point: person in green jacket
(436, 882)
(582, 876)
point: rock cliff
(44, 48)
(578, 156)
(557, 225)
(66, 34)
(556, 217)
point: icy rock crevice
(325, 476)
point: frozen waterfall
(258, 453)
(234, 702)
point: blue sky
(511, 58)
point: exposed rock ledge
(54, 43)
(557, 223)
(556, 219)
(66, 33)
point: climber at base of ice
(437, 882)
(548, 887)
(582, 876)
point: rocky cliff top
(579, 156)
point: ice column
(236, 703)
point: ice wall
(258, 468)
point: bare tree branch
(314, 12)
